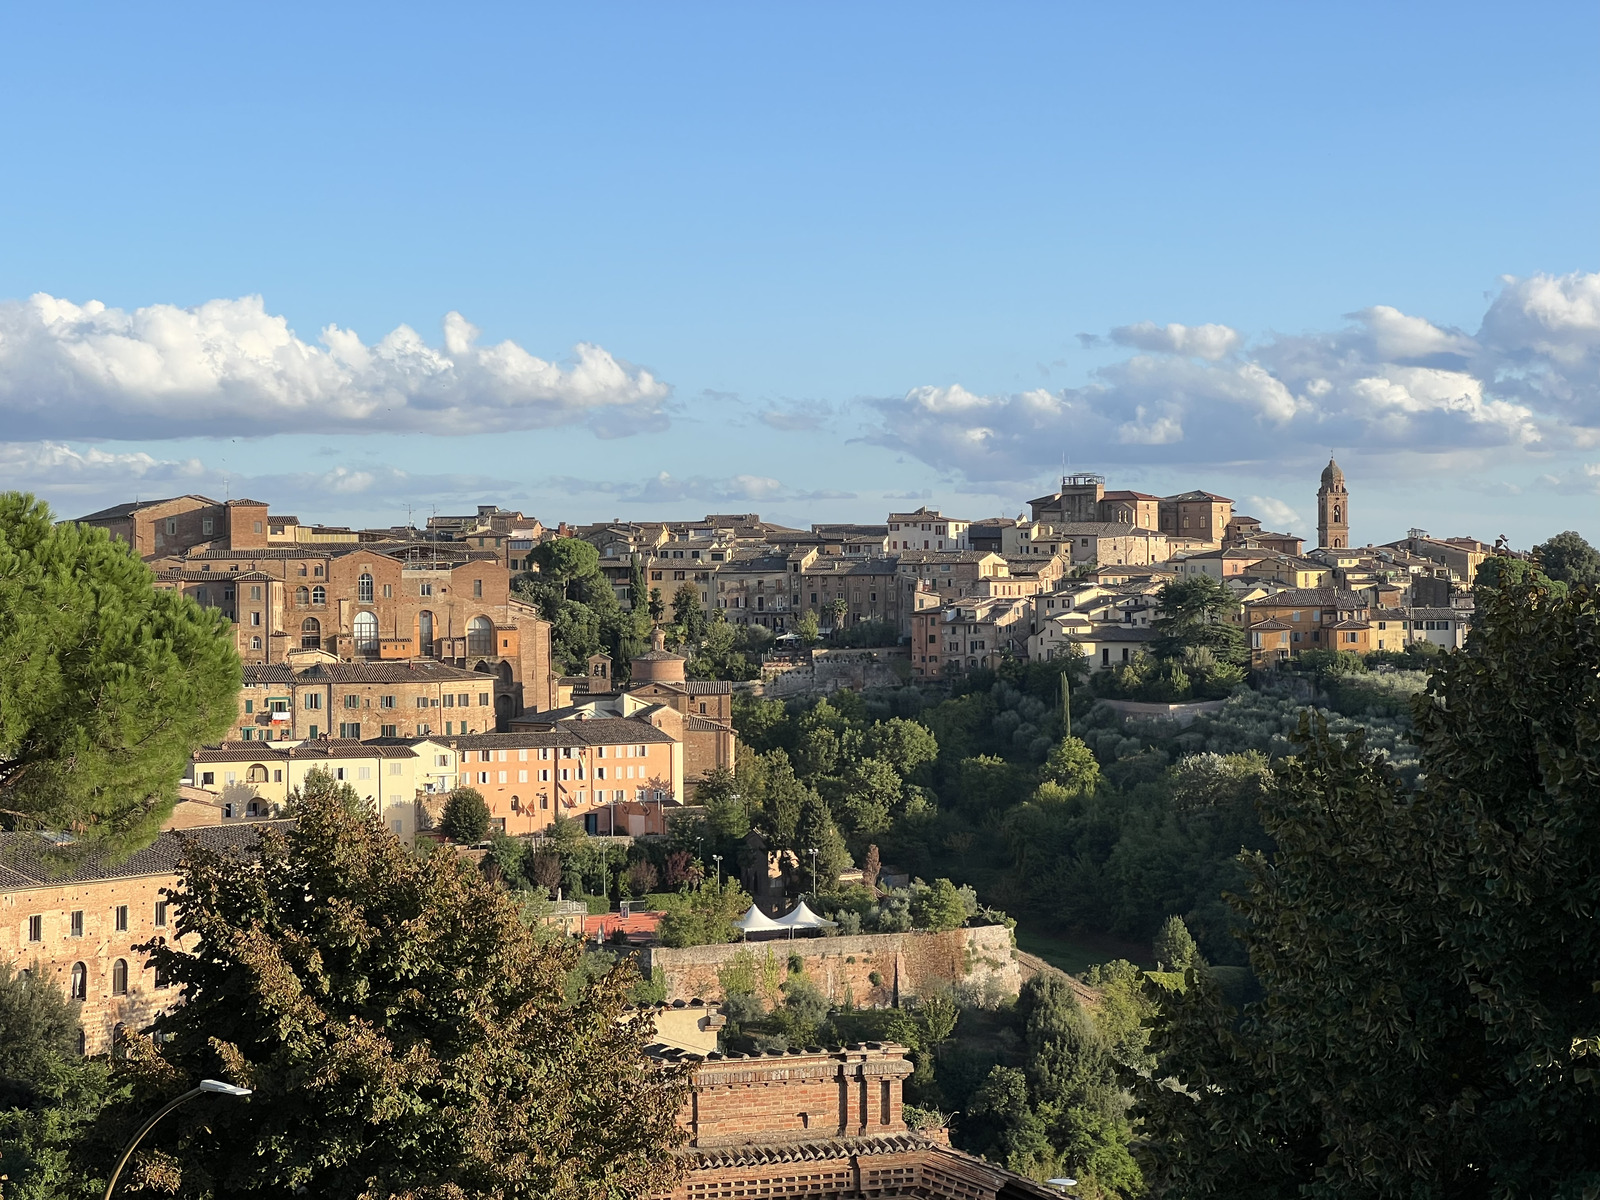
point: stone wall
(907, 965)
(831, 670)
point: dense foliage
(1428, 956)
(404, 1032)
(106, 683)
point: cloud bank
(228, 367)
(1528, 382)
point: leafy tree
(403, 1031)
(871, 867)
(705, 916)
(106, 683)
(567, 561)
(1427, 957)
(657, 606)
(870, 792)
(808, 628)
(815, 830)
(320, 785)
(1072, 767)
(906, 746)
(1174, 948)
(939, 908)
(1001, 1125)
(1568, 558)
(687, 613)
(987, 786)
(466, 816)
(38, 1029)
(839, 611)
(1193, 613)
(727, 811)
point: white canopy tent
(801, 917)
(756, 921)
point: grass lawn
(1076, 953)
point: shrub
(466, 817)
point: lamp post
(813, 873)
(717, 858)
(213, 1086)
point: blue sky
(825, 257)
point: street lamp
(717, 858)
(214, 1086)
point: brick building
(156, 527)
(355, 700)
(826, 1124)
(80, 921)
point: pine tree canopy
(106, 683)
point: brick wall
(907, 964)
(99, 948)
(777, 1097)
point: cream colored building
(253, 780)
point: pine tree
(106, 683)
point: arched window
(80, 982)
(364, 589)
(302, 596)
(366, 629)
(1335, 512)
(319, 595)
(119, 977)
(311, 634)
(255, 643)
(425, 633)
(480, 636)
(256, 774)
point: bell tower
(1333, 509)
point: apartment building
(615, 774)
(1311, 619)
(323, 698)
(1086, 542)
(926, 529)
(170, 526)
(253, 780)
(76, 921)
(966, 635)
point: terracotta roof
(1273, 625)
(192, 576)
(25, 858)
(595, 731)
(415, 670)
(119, 511)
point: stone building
(1333, 509)
(156, 527)
(926, 529)
(320, 697)
(77, 922)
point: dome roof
(1331, 474)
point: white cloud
(230, 367)
(1388, 383)
(1200, 341)
(57, 469)
(666, 489)
(1273, 514)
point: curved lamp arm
(214, 1086)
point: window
(350, 730)
(388, 591)
(302, 568)
(422, 702)
(122, 918)
(397, 768)
(172, 524)
(450, 728)
(483, 698)
(364, 772)
(311, 634)
(366, 631)
(522, 777)
(80, 973)
(424, 589)
(480, 636)
(352, 701)
(464, 699)
(255, 643)
(256, 774)
(477, 589)
(255, 619)
(161, 914)
(449, 699)
(317, 571)
(207, 524)
(119, 977)
(313, 700)
(302, 597)
(36, 928)
(388, 731)
(255, 591)
(364, 589)
(319, 594)
(385, 701)
(77, 922)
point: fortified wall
(870, 970)
(832, 670)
